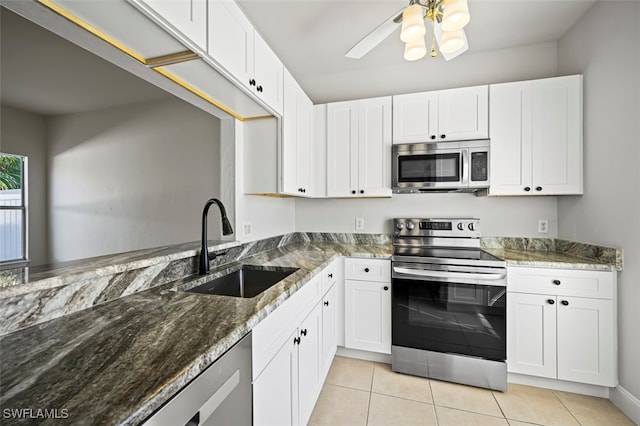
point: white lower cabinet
(368, 305)
(286, 390)
(555, 332)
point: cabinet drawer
(270, 334)
(367, 269)
(329, 276)
(562, 282)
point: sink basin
(246, 282)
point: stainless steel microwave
(440, 166)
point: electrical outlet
(246, 229)
(359, 223)
(543, 226)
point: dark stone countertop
(116, 363)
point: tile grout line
(493, 394)
(433, 400)
(565, 407)
(373, 372)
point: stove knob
(471, 226)
(410, 226)
(399, 225)
(461, 226)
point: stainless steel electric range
(448, 303)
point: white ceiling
(48, 75)
(311, 37)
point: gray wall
(24, 133)
(131, 177)
(605, 46)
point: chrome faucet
(205, 257)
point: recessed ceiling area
(48, 75)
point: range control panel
(467, 227)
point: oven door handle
(448, 274)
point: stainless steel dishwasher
(221, 395)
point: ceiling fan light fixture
(451, 41)
(412, 24)
(415, 50)
(456, 15)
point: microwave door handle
(465, 167)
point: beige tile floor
(358, 392)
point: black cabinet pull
(538, 188)
(366, 269)
(330, 275)
(303, 332)
(433, 136)
(551, 301)
(443, 136)
(526, 188)
(353, 192)
(252, 82)
(556, 282)
(362, 191)
(386, 288)
(259, 89)
(565, 303)
(296, 340)
(326, 303)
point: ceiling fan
(448, 17)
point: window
(13, 209)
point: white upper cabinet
(296, 140)
(359, 148)
(189, 17)
(238, 48)
(268, 73)
(231, 39)
(536, 137)
(455, 114)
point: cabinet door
(309, 353)
(415, 117)
(368, 316)
(374, 147)
(189, 17)
(231, 39)
(463, 114)
(289, 165)
(511, 138)
(275, 391)
(531, 334)
(587, 341)
(557, 135)
(342, 149)
(329, 343)
(304, 119)
(268, 73)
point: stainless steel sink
(248, 281)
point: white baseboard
(366, 355)
(559, 385)
(627, 403)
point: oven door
(455, 311)
(430, 169)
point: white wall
(266, 216)
(504, 216)
(131, 177)
(23, 133)
(605, 46)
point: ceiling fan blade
(376, 36)
(451, 55)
